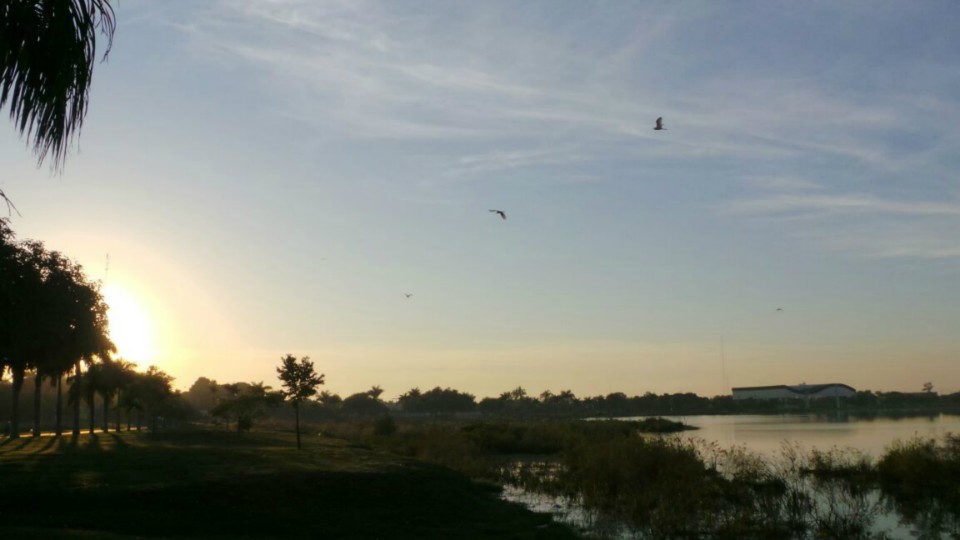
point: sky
(263, 177)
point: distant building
(800, 391)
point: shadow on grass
(48, 445)
(205, 438)
(225, 485)
(24, 442)
(72, 442)
(92, 443)
(118, 442)
(402, 502)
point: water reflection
(871, 434)
(570, 512)
(773, 486)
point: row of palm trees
(117, 383)
(53, 320)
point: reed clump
(922, 463)
(483, 449)
(920, 480)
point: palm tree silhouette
(47, 52)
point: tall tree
(26, 325)
(245, 402)
(52, 322)
(375, 391)
(117, 378)
(50, 317)
(9, 270)
(202, 395)
(300, 381)
(90, 339)
(437, 401)
(154, 390)
(329, 400)
(130, 399)
(88, 388)
(362, 404)
(47, 52)
(82, 331)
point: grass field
(210, 484)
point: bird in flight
(408, 295)
(659, 125)
(779, 309)
(503, 215)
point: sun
(131, 328)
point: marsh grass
(483, 449)
(665, 486)
(672, 488)
(920, 480)
(922, 463)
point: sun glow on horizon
(131, 327)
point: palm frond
(47, 52)
(10, 206)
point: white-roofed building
(800, 391)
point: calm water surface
(765, 433)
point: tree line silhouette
(239, 404)
(53, 322)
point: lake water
(765, 433)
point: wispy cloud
(843, 204)
(378, 72)
(512, 159)
(478, 93)
(864, 224)
(921, 239)
(781, 183)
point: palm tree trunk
(139, 418)
(76, 394)
(93, 409)
(128, 419)
(106, 413)
(37, 384)
(117, 420)
(18, 375)
(296, 413)
(58, 429)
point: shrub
(920, 463)
(384, 427)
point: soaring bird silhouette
(503, 215)
(659, 125)
(779, 309)
(408, 295)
